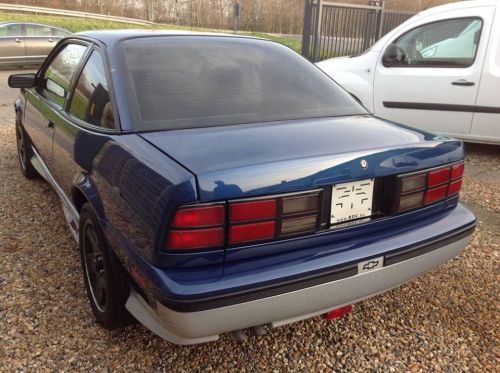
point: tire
(24, 153)
(104, 277)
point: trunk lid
(257, 159)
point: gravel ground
(447, 320)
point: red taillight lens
(457, 170)
(435, 194)
(199, 216)
(454, 187)
(254, 210)
(438, 177)
(195, 238)
(251, 232)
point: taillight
(438, 177)
(435, 194)
(251, 232)
(245, 211)
(206, 226)
(199, 216)
(457, 170)
(197, 227)
(454, 187)
(426, 187)
(196, 238)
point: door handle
(51, 40)
(50, 125)
(18, 40)
(464, 83)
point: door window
(38, 30)
(58, 75)
(91, 102)
(11, 30)
(448, 43)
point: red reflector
(438, 177)
(457, 170)
(435, 194)
(454, 187)
(199, 216)
(196, 238)
(138, 276)
(254, 210)
(339, 312)
(251, 232)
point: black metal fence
(335, 29)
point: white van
(439, 71)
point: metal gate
(336, 29)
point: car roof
(110, 37)
(458, 5)
(32, 23)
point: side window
(11, 30)
(38, 30)
(91, 102)
(58, 75)
(448, 43)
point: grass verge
(74, 24)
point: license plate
(351, 201)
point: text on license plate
(351, 201)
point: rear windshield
(176, 82)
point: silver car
(27, 43)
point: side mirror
(55, 88)
(393, 55)
(22, 81)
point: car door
(45, 104)
(428, 75)
(486, 120)
(89, 121)
(38, 41)
(11, 43)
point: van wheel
(24, 153)
(104, 276)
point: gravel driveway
(448, 320)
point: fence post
(367, 30)
(306, 32)
(317, 30)
(380, 19)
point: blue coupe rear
(219, 183)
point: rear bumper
(286, 307)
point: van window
(448, 43)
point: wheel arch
(83, 191)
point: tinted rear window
(202, 81)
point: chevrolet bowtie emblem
(371, 264)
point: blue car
(224, 184)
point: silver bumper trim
(205, 326)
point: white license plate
(351, 201)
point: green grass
(83, 24)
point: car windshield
(176, 82)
